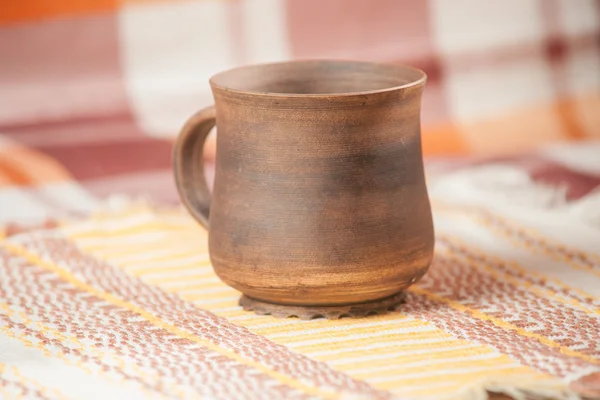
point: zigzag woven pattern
(126, 304)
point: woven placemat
(127, 304)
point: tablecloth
(93, 92)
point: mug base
(377, 307)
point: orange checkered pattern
(93, 92)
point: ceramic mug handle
(188, 164)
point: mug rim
(422, 78)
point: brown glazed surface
(319, 196)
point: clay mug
(319, 194)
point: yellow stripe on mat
(67, 276)
(507, 325)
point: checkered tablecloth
(93, 92)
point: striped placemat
(126, 305)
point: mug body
(319, 195)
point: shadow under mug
(319, 194)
